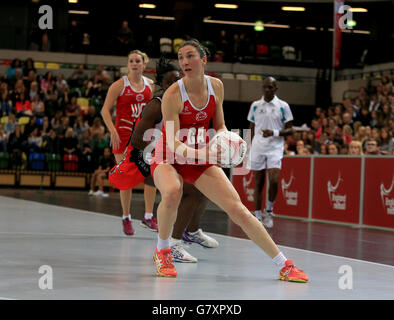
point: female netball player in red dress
(191, 103)
(130, 93)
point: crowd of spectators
(41, 114)
(56, 123)
(363, 125)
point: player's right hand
(115, 140)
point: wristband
(276, 133)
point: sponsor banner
(337, 189)
(293, 188)
(379, 192)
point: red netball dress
(129, 106)
(194, 125)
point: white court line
(2, 298)
(235, 238)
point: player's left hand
(267, 133)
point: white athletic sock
(279, 260)
(162, 244)
(126, 217)
(148, 216)
(270, 205)
(258, 214)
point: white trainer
(179, 254)
(268, 221)
(201, 238)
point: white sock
(148, 216)
(258, 214)
(162, 244)
(270, 205)
(279, 260)
(126, 217)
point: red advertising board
(379, 192)
(293, 188)
(336, 184)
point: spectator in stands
(19, 88)
(97, 128)
(375, 134)
(102, 75)
(64, 125)
(30, 126)
(69, 142)
(386, 141)
(56, 120)
(344, 149)
(363, 95)
(300, 147)
(86, 146)
(46, 81)
(45, 43)
(16, 64)
(9, 127)
(61, 85)
(80, 126)
(90, 116)
(46, 126)
(33, 90)
(347, 133)
(355, 148)
(93, 88)
(323, 149)
(28, 66)
(374, 119)
(78, 78)
(371, 147)
(34, 141)
(52, 105)
(99, 144)
(23, 106)
(374, 105)
(5, 104)
(74, 37)
(384, 116)
(106, 163)
(125, 39)
(3, 140)
(333, 149)
(72, 110)
(364, 116)
(347, 119)
(361, 134)
(16, 140)
(51, 143)
(38, 106)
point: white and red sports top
(194, 122)
(130, 103)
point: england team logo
(201, 116)
(140, 97)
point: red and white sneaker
(151, 224)
(127, 227)
(291, 273)
(163, 262)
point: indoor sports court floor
(80, 238)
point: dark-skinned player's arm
(151, 115)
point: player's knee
(172, 194)
(237, 212)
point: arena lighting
(239, 23)
(351, 23)
(78, 12)
(358, 10)
(226, 6)
(311, 28)
(72, 1)
(259, 26)
(293, 8)
(147, 6)
(158, 17)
